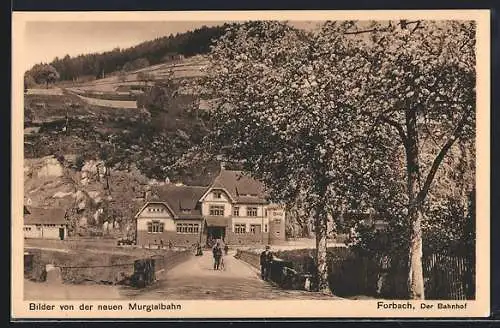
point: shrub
(79, 162)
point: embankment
(80, 266)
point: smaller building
(47, 223)
(174, 216)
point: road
(195, 279)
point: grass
(189, 68)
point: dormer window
(186, 211)
(156, 209)
(217, 194)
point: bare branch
(439, 158)
(397, 126)
(361, 32)
(416, 27)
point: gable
(155, 209)
(217, 194)
(240, 186)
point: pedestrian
(226, 249)
(161, 243)
(383, 275)
(199, 252)
(222, 266)
(265, 262)
(170, 244)
(217, 253)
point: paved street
(195, 279)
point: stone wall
(251, 258)
(104, 269)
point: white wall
(155, 211)
(32, 231)
(211, 200)
(243, 210)
(45, 231)
(248, 222)
(199, 222)
(168, 223)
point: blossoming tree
(323, 117)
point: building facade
(46, 223)
(234, 208)
(173, 215)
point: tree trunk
(415, 271)
(321, 251)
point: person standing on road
(265, 263)
(217, 253)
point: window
(155, 227)
(240, 228)
(277, 221)
(156, 209)
(265, 212)
(217, 194)
(186, 211)
(255, 228)
(265, 227)
(236, 211)
(251, 211)
(217, 210)
(189, 228)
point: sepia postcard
(259, 164)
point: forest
(147, 53)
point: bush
(79, 163)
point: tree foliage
(44, 74)
(29, 81)
(339, 117)
(136, 64)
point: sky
(46, 40)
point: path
(195, 279)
